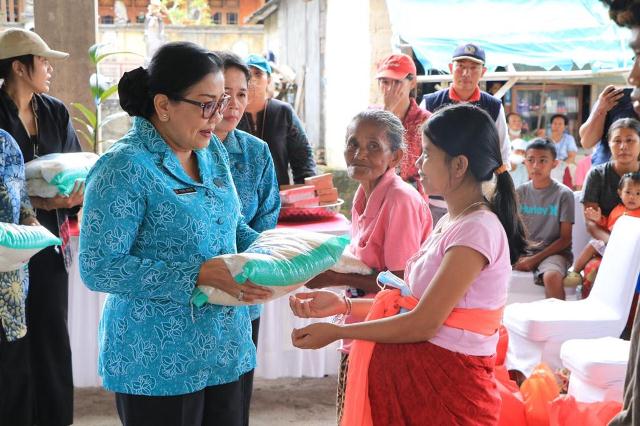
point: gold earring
(165, 117)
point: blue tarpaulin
(544, 33)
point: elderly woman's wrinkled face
(625, 146)
(235, 85)
(186, 127)
(368, 152)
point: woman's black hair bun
(133, 90)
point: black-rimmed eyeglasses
(210, 108)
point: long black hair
(173, 69)
(464, 129)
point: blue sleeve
(571, 144)
(245, 235)
(268, 196)
(114, 209)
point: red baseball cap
(396, 67)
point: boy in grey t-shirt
(547, 208)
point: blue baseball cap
(259, 62)
(469, 51)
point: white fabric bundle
(60, 171)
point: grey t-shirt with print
(542, 211)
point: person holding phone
(613, 103)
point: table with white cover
(276, 355)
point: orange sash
(357, 408)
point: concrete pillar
(70, 26)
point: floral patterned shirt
(255, 179)
(15, 207)
(146, 230)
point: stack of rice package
(323, 185)
(316, 191)
(57, 174)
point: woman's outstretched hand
(317, 304)
(315, 336)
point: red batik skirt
(425, 384)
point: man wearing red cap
(397, 84)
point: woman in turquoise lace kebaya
(158, 207)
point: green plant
(91, 119)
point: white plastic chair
(521, 284)
(579, 235)
(598, 368)
(538, 329)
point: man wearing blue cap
(276, 123)
(467, 68)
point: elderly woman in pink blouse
(390, 219)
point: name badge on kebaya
(185, 191)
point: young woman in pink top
(434, 363)
(389, 218)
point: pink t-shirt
(388, 228)
(482, 231)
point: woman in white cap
(41, 125)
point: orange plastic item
(566, 411)
(538, 391)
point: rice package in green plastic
(18, 243)
(282, 259)
(61, 171)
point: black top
(601, 187)
(55, 135)
(279, 126)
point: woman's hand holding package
(317, 304)
(76, 198)
(214, 273)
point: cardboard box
(324, 181)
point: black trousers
(247, 378)
(50, 349)
(16, 387)
(212, 406)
